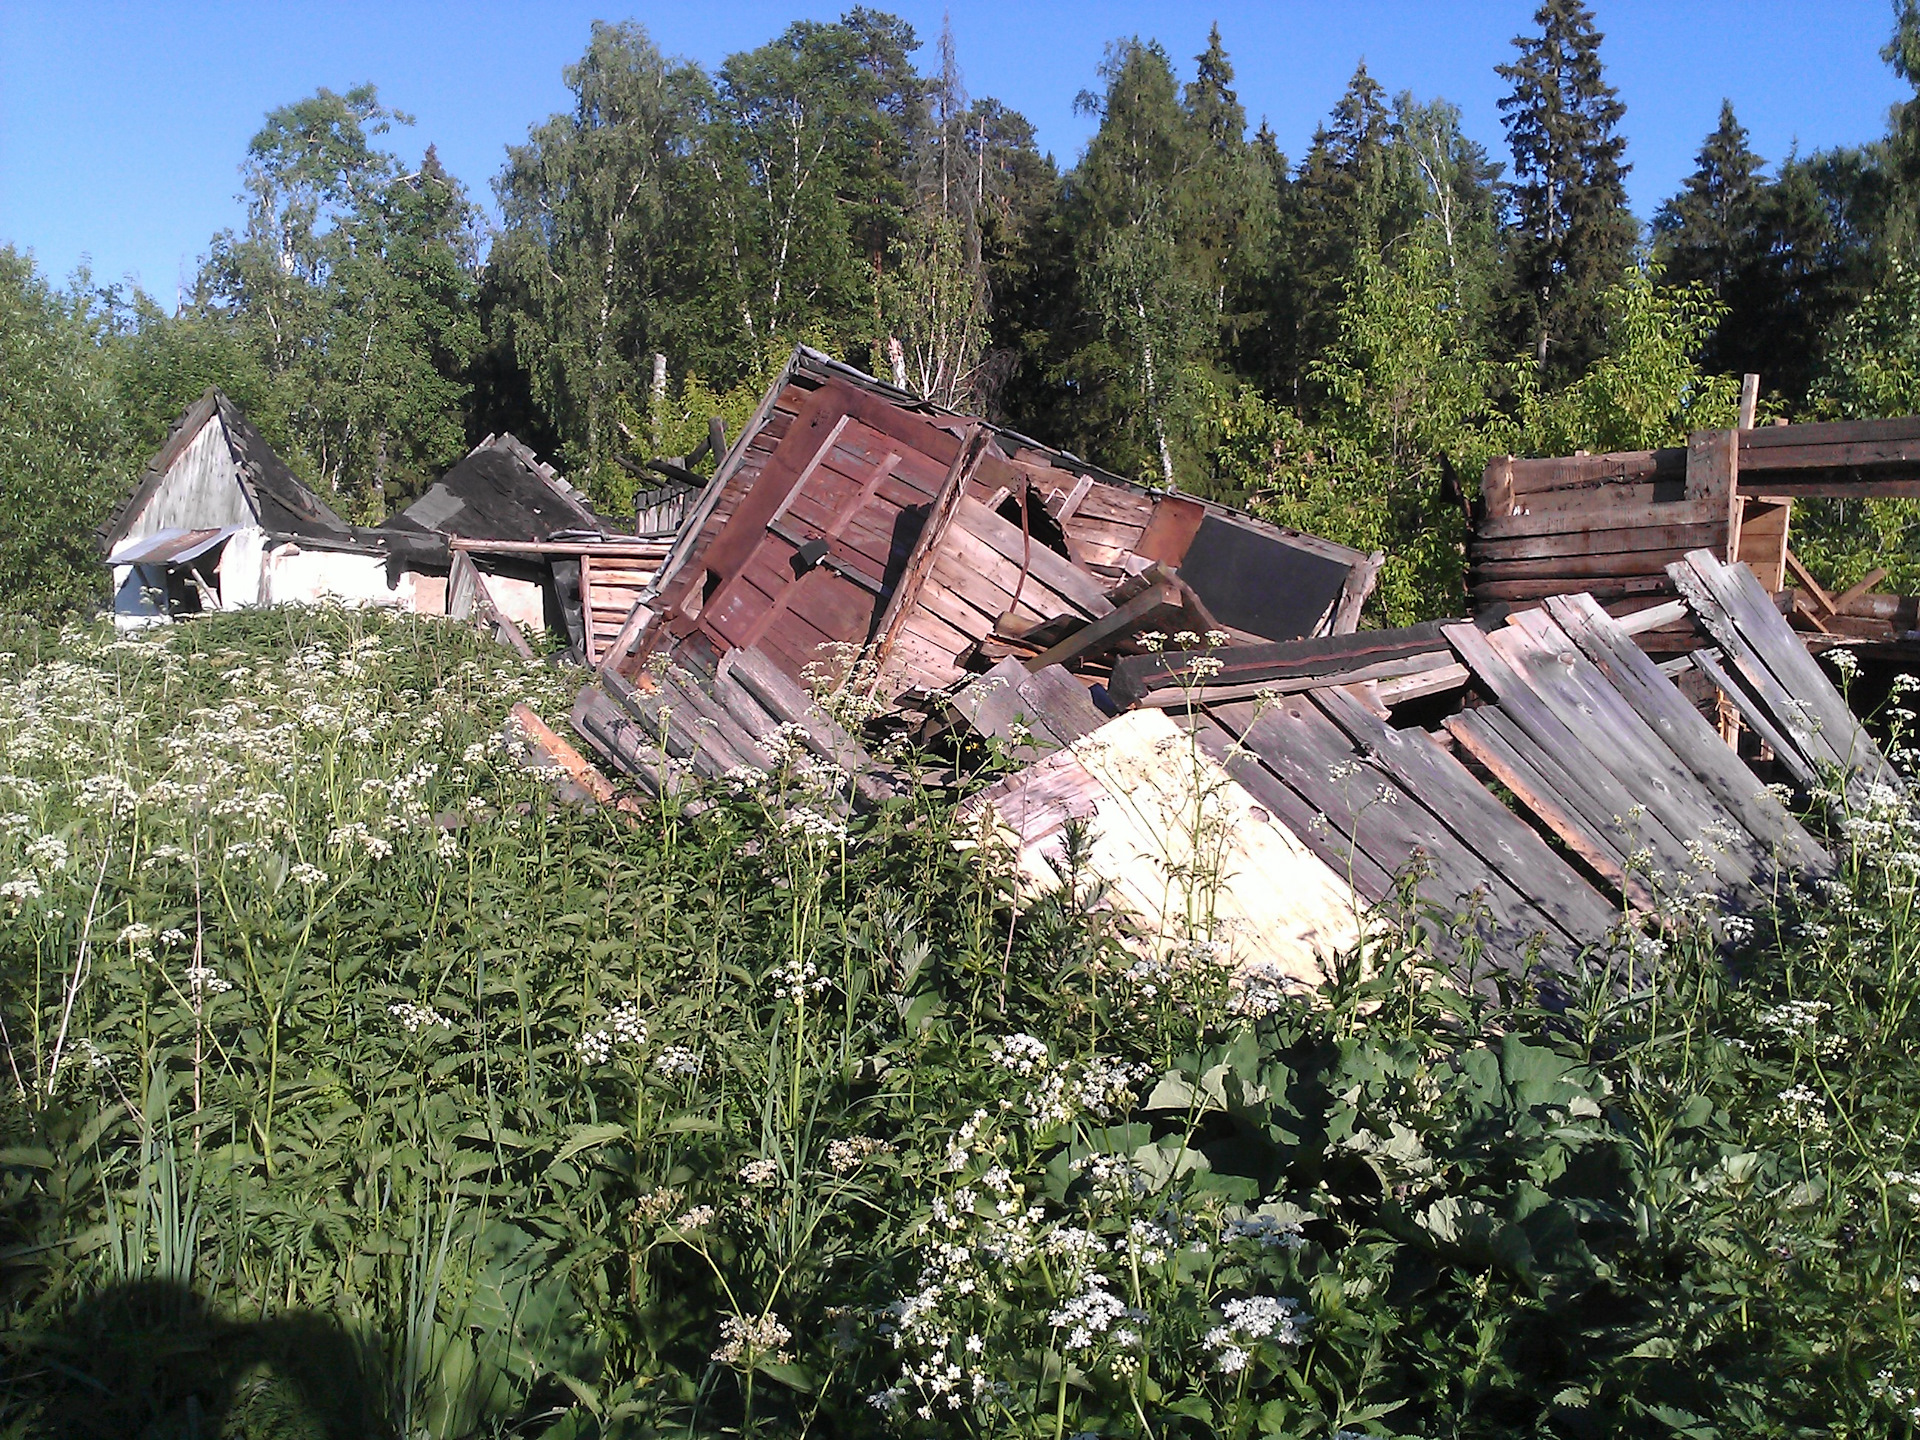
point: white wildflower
(415, 1018)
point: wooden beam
(1812, 586)
(1116, 622)
(1853, 592)
(1749, 400)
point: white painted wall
(291, 575)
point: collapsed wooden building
(1544, 778)
(853, 524)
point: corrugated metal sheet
(172, 546)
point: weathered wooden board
(1639, 682)
(1612, 733)
(1610, 804)
(1481, 823)
(1388, 826)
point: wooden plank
(1854, 592)
(1686, 732)
(1056, 572)
(1496, 486)
(943, 637)
(971, 551)
(1324, 656)
(1903, 430)
(1269, 790)
(1171, 530)
(1436, 681)
(1606, 511)
(927, 548)
(1061, 701)
(1485, 571)
(587, 638)
(833, 605)
(1620, 739)
(1112, 504)
(609, 729)
(1604, 541)
(1763, 541)
(570, 761)
(1536, 790)
(1509, 848)
(1390, 827)
(1610, 588)
(1749, 400)
(1812, 586)
(993, 707)
(1792, 718)
(1069, 505)
(1209, 691)
(1114, 624)
(1756, 717)
(1766, 630)
(639, 550)
(1531, 726)
(1537, 481)
(1361, 579)
(1654, 617)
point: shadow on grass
(148, 1361)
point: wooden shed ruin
(1610, 525)
(217, 521)
(853, 518)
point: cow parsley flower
(753, 1339)
(415, 1018)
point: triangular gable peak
(216, 470)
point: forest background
(1338, 341)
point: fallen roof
(1572, 782)
(850, 517)
(500, 490)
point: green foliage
(60, 439)
(1872, 372)
(1647, 390)
(1407, 393)
(354, 1084)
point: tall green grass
(356, 1087)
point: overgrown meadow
(356, 1087)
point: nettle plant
(354, 1082)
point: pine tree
(1574, 235)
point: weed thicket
(355, 1087)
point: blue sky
(122, 126)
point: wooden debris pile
(1539, 777)
(1557, 781)
(1610, 525)
(856, 532)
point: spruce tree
(1573, 233)
(1331, 211)
(1707, 231)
